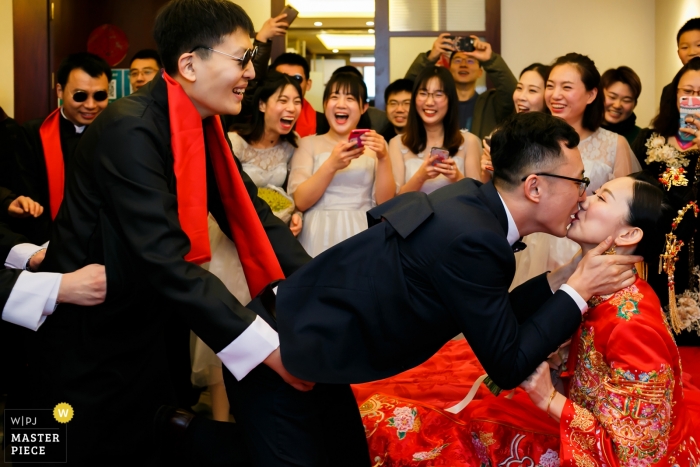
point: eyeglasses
(248, 55)
(437, 95)
(82, 96)
(406, 103)
(689, 92)
(297, 77)
(582, 182)
(147, 73)
(467, 61)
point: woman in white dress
(264, 147)
(335, 181)
(572, 93)
(433, 122)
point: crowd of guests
(320, 176)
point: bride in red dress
(626, 401)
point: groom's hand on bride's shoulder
(601, 274)
(274, 361)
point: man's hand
(274, 361)
(275, 26)
(599, 274)
(442, 45)
(86, 286)
(482, 50)
(24, 206)
(563, 273)
(36, 259)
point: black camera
(463, 44)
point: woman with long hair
(573, 93)
(433, 122)
(669, 152)
(334, 180)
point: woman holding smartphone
(573, 93)
(418, 156)
(669, 151)
(333, 180)
(527, 97)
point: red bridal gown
(627, 403)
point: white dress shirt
(513, 236)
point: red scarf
(306, 123)
(50, 134)
(259, 262)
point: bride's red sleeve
(627, 415)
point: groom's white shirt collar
(513, 235)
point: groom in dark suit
(428, 268)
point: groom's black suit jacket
(120, 210)
(388, 298)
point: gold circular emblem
(63, 412)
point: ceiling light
(347, 41)
(335, 51)
(371, 31)
(334, 9)
(361, 59)
(318, 23)
(370, 23)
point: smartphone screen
(291, 12)
(441, 154)
(689, 106)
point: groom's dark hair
(183, 25)
(526, 143)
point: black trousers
(286, 427)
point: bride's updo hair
(647, 208)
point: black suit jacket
(120, 210)
(31, 178)
(388, 298)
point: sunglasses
(298, 77)
(82, 96)
(248, 55)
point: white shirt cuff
(20, 254)
(582, 305)
(32, 299)
(249, 349)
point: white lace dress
(341, 212)
(606, 155)
(408, 163)
(265, 167)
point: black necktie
(518, 246)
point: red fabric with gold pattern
(50, 134)
(627, 403)
(188, 134)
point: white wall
(258, 10)
(670, 16)
(612, 33)
(7, 83)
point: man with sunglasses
(82, 84)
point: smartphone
(689, 106)
(441, 154)
(291, 12)
(463, 44)
(355, 136)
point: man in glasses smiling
(82, 83)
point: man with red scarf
(145, 176)
(82, 83)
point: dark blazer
(388, 298)
(31, 178)
(120, 210)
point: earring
(611, 251)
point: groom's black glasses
(582, 182)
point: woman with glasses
(668, 152)
(264, 146)
(433, 124)
(335, 180)
(573, 93)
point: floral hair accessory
(667, 264)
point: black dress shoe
(169, 428)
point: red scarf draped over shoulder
(306, 123)
(188, 133)
(50, 134)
